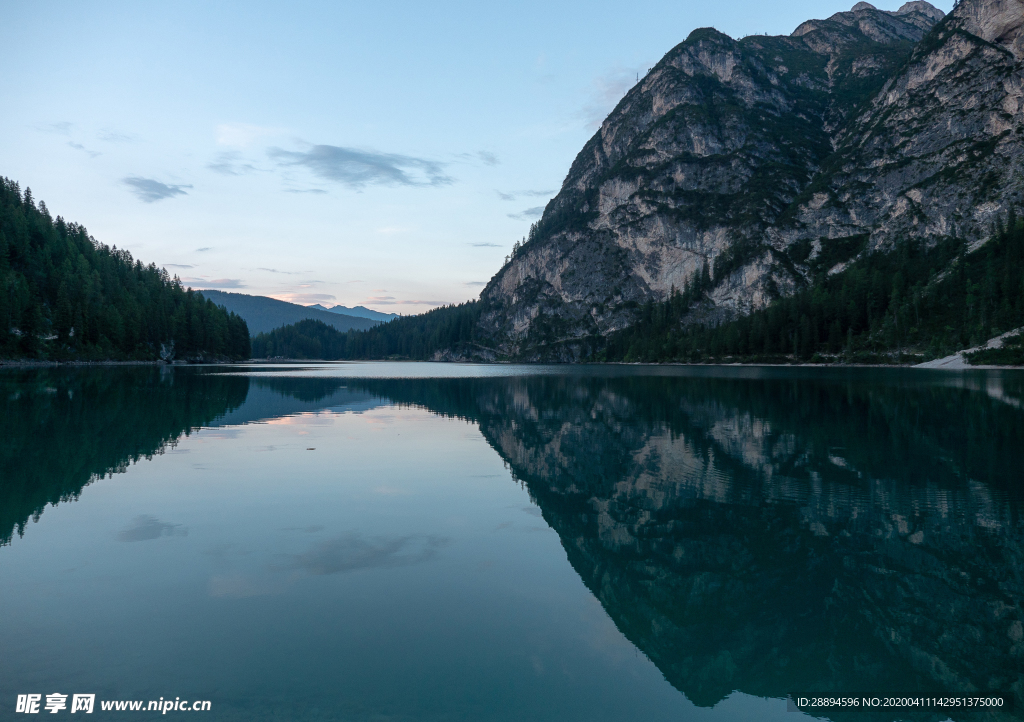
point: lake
(412, 541)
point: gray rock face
(751, 156)
(995, 21)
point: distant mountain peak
(357, 312)
(264, 314)
(920, 6)
(884, 26)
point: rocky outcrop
(939, 150)
(995, 21)
(760, 157)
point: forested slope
(913, 303)
(447, 333)
(263, 314)
(64, 296)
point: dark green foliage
(94, 422)
(906, 303)
(64, 296)
(837, 250)
(1011, 354)
(308, 339)
(448, 329)
(737, 255)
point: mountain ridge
(263, 314)
(753, 160)
(357, 312)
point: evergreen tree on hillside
(65, 296)
(449, 328)
(910, 302)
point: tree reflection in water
(796, 534)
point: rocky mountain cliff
(763, 158)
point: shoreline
(922, 367)
(54, 364)
(927, 366)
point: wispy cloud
(79, 146)
(486, 245)
(315, 191)
(391, 301)
(115, 136)
(303, 298)
(177, 265)
(483, 156)
(201, 283)
(391, 230)
(231, 163)
(62, 128)
(359, 168)
(513, 195)
(475, 283)
(203, 249)
(148, 190)
(274, 270)
(528, 214)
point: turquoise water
(389, 541)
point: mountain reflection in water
(815, 534)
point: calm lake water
(387, 541)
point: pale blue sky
(384, 154)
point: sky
(381, 154)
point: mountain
(423, 336)
(64, 296)
(358, 312)
(754, 168)
(265, 314)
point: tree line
(446, 329)
(908, 303)
(911, 302)
(65, 296)
(95, 422)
